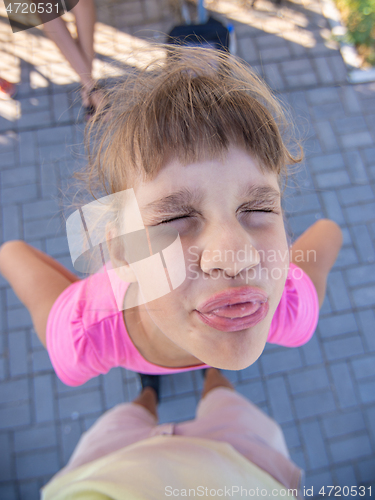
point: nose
(228, 249)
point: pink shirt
(86, 334)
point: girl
(194, 143)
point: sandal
(90, 109)
(152, 381)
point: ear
(116, 255)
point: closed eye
(166, 221)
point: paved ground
(322, 394)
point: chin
(233, 361)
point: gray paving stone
(316, 481)
(250, 373)
(332, 207)
(70, 434)
(364, 367)
(363, 243)
(254, 391)
(314, 444)
(343, 385)
(369, 155)
(113, 388)
(40, 361)
(57, 246)
(181, 408)
(364, 297)
(366, 470)
(343, 348)
(18, 355)
(332, 161)
(347, 257)
(333, 179)
(311, 352)
(29, 489)
(43, 400)
(14, 416)
(356, 139)
(360, 213)
(323, 69)
(339, 324)
(49, 180)
(55, 135)
(367, 323)
(274, 54)
(35, 438)
(37, 464)
(14, 390)
(11, 223)
(291, 435)
(81, 403)
(345, 476)
(328, 111)
(277, 362)
(353, 447)
(43, 228)
(355, 194)
(337, 291)
(350, 125)
(27, 148)
(350, 99)
(6, 470)
(40, 209)
(8, 491)
(313, 404)
(279, 400)
(356, 167)
(19, 194)
(19, 176)
(367, 391)
(342, 424)
(18, 318)
(360, 275)
(308, 379)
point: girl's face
(228, 215)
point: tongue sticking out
(236, 310)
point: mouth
(235, 309)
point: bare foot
(214, 378)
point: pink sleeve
(84, 332)
(297, 314)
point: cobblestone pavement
(323, 394)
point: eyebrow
(260, 193)
(184, 201)
(180, 202)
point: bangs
(189, 104)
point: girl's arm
(36, 278)
(316, 250)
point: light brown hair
(185, 103)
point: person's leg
(36, 278)
(316, 250)
(58, 32)
(213, 379)
(148, 400)
(85, 15)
